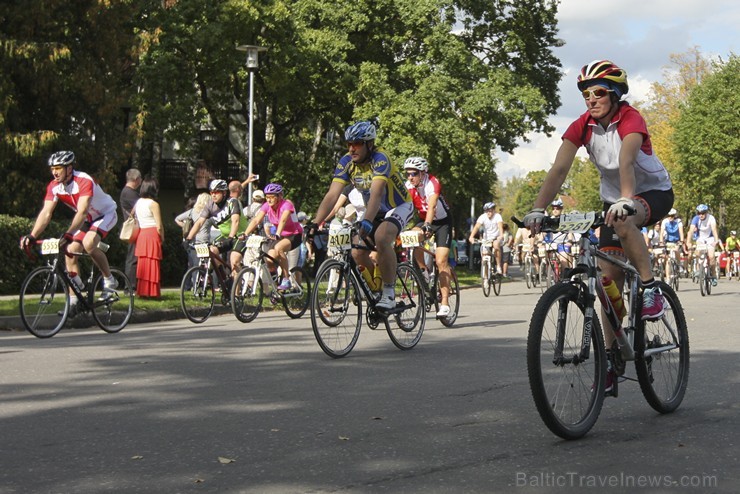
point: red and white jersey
(82, 185)
(428, 186)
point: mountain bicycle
(672, 266)
(550, 265)
(733, 265)
(197, 291)
(255, 279)
(45, 294)
(489, 276)
(566, 359)
(411, 240)
(339, 289)
(658, 261)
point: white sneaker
(110, 285)
(386, 303)
(444, 311)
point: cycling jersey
(82, 185)
(428, 186)
(221, 215)
(604, 145)
(732, 243)
(671, 229)
(704, 227)
(292, 226)
(379, 167)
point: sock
(73, 299)
(389, 290)
(648, 284)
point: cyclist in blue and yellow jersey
(388, 205)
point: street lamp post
(252, 65)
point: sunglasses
(411, 174)
(597, 93)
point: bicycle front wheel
(453, 300)
(296, 301)
(543, 275)
(197, 301)
(662, 355)
(567, 386)
(528, 272)
(112, 309)
(44, 302)
(336, 309)
(485, 278)
(407, 331)
(246, 296)
(496, 282)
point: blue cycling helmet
(489, 205)
(62, 158)
(273, 189)
(360, 131)
(702, 208)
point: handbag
(130, 229)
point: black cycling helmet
(62, 158)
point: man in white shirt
(493, 226)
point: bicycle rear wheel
(567, 392)
(247, 294)
(44, 302)
(296, 301)
(543, 275)
(112, 309)
(336, 309)
(453, 300)
(197, 302)
(407, 331)
(662, 355)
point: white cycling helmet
(416, 163)
(557, 203)
(672, 212)
(62, 158)
(489, 205)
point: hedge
(16, 265)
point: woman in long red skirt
(149, 243)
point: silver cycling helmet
(416, 163)
(489, 205)
(62, 158)
(218, 185)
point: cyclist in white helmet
(493, 227)
(704, 225)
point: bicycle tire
(702, 278)
(296, 306)
(409, 323)
(664, 377)
(675, 271)
(43, 295)
(528, 272)
(708, 281)
(485, 281)
(568, 396)
(496, 282)
(336, 309)
(198, 301)
(453, 299)
(247, 295)
(112, 310)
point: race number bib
(201, 250)
(409, 238)
(576, 222)
(50, 246)
(254, 241)
(340, 239)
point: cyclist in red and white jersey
(426, 194)
(95, 215)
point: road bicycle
(197, 291)
(567, 362)
(658, 261)
(550, 265)
(531, 275)
(733, 265)
(411, 240)
(339, 290)
(489, 276)
(702, 274)
(255, 280)
(672, 266)
(45, 294)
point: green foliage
(528, 192)
(707, 142)
(584, 181)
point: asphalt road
(229, 407)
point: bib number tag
(50, 246)
(576, 222)
(254, 241)
(340, 239)
(201, 250)
(409, 238)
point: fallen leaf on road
(137, 457)
(225, 461)
(343, 438)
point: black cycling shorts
(657, 203)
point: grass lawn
(9, 306)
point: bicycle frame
(257, 243)
(211, 262)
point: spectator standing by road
(149, 243)
(129, 196)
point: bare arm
(256, 221)
(196, 228)
(44, 218)
(377, 189)
(432, 202)
(157, 213)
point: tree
(707, 142)
(585, 181)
